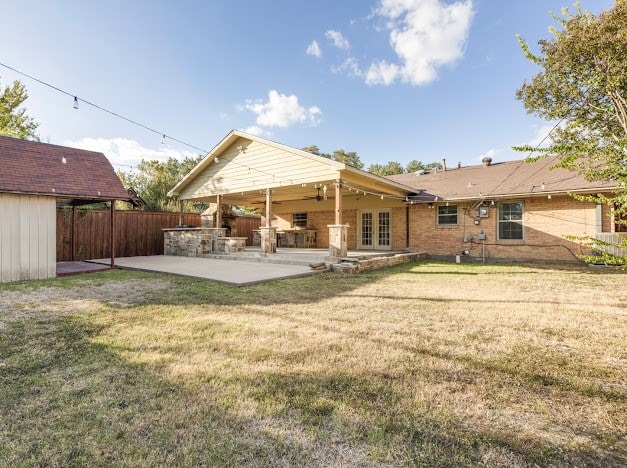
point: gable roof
(506, 179)
(211, 176)
(37, 168)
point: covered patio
(306, 201)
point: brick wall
(319, 220)
(546, 223)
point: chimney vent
(486, 161)
(459, 165)
(444, 164)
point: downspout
(407, 227)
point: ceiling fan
(319, 197)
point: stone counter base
(198, 242)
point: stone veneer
(200, 242)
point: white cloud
(542, 138)
(281, 110)
(350, 66)
(315, 115)
(122, 152)
(223, 115)
(382, 73)
(255, 130)
(338, 40)
(314, 49)
(425, 35)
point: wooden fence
(137, 233)
(245, 226)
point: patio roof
(242, 166)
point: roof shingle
(38, 168)
(513, 178)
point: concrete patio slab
(238, 273)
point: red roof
(44, 169)
(513, 178)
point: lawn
(423, 364)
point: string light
(75, 102)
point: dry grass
(423, 364)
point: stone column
(215, 233)
(338, 240)
(268, 239)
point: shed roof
(44, 169)
(505, 179)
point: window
(299, 220)
(447, 215)
(510, 221)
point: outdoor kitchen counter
(194, 241)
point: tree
(154, 179)
(414, 166)
(351, 158)
(390, 168)
(583, 86)
(13, 120)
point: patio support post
(112, 233)
(338, 202)
(73, 233)
(180, 212)
(268, 207)
(268, 233)
(218, 211)
(338, 232)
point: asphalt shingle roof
(499, 180)
(38, 168)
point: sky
(393, 80)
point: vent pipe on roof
(459, 165)
(444, 164)
(486, 161)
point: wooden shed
(35, 178)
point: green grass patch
(428, 364)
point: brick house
(511, 210)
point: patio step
(291, 259)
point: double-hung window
(299, 220)
(447, 215)
(511, 221)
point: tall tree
(583, 86)
(154, 179)
(13, 119)
(390, 168)
(413, 166)
(351, 158)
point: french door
(374, 229)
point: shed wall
(27, 237)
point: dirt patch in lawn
(86, 296)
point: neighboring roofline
(228, 140)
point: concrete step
(303, 260)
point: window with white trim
(299, 220)
(447, 215)
(510, 221)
